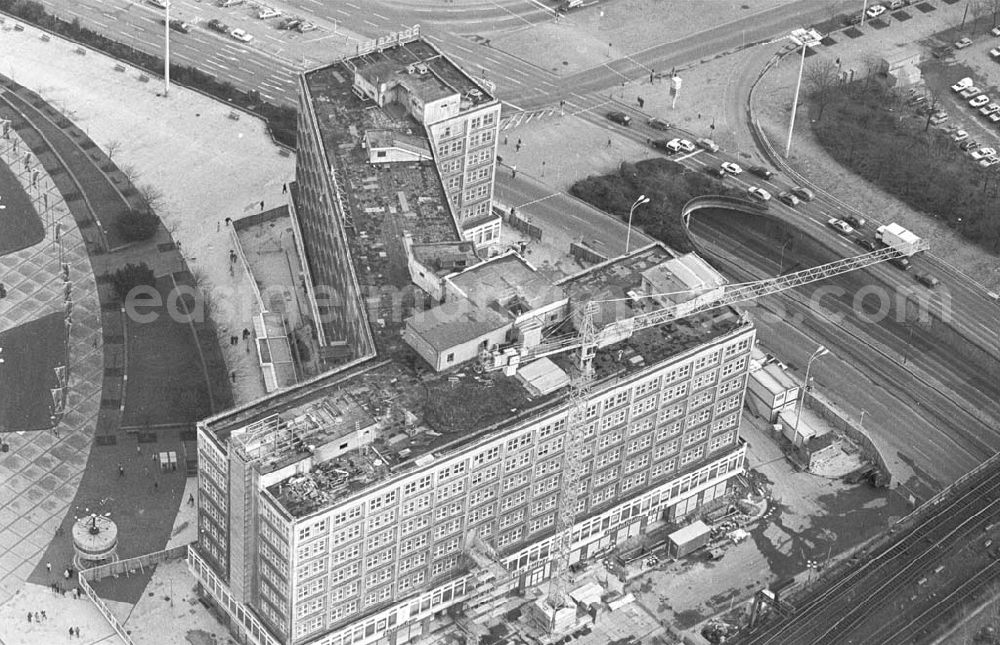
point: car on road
(987, 110)
(979, 101)
(708, 144)
(927, 279)
(719, 173)
(788, 198)
(241, 35)
(969, 92)
(760, 171)
(962, 84)
(759, 194)
(855, 220)
(804, 194)
(731, 168)
(620, 118)
(658, 124)
(217, 25)
(982, 153)
(865, 243)
(874, 11)
(960, 135)
(840, 226)
(677, 145)
(266, 13)
(178, 25)
(901, 262)
(962, 43)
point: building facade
(377, 565)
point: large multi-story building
(396, 137)
(421, 480)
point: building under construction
(418, 484)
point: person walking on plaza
(191, 499)
(71, 632)
(121, 471)
(29, 616)
(48, 567)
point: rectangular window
(641, 443)
(415, 524)
(416, 504)
(514, 499)
(692, 455)
(667, 449)
(411, 487)
(516, 480)
(486, 456)
(511, 518)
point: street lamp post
(820, 351)
(795, 103)
(628, 236)
(166, 51)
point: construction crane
(588, 339)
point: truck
(897, 237)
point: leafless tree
(130, 172)
(821, 83)
(933, 100)
(980, 9)
(995, 10)
(150, 198)
(113, 147)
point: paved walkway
(41, 473)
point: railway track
(840, 613)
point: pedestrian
(156, 484)
(229, 221)
(517, 147)
(38, 618)
(77, 632)
(609, 143)
(232, 375)
(48, 567)
(71, 632)
(77, 593)
(505, 139)
(29, 616)
(284, 189)
(640, 101)
(513, 172)
(121, 471)
(246, 333)
(138, 450)
(519, 142)
(191, 499)
(44, 617)
(262, 205)
(650, 77)
(173, 466)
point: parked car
(989, 162)
(658, 124)
(788, 198)
(963, 43)
(979, 101)
(982, 153)
(760, 171)
(677, 145)
(289, 23)
(994, 117)
(927, 279)
(708, 144)
(840, 226)
(217, 25)
(962, 84)
(266, 13)
(874, 11)
(995, 31)
(987, 110)
(938, 118)
(230, 3)
(995, 53)
(305, 26)
(943, 52)
(241, 35)
(855, 220)
(865, 243)
(162, 4)
(804, 194)
(716, 172)
(731, 168)
(892, 5)
(666, 145)
(960, 135)
(620, 118)
(969, 92)
(759, 194)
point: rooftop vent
(422, 68)
(410, 69)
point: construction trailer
(688, 539)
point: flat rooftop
(509, 284)
(415, 411)
(444, 78)
(382, 202)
